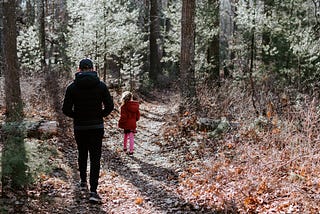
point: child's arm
(122, 119)
(138, 116)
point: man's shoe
(94, 197)
(83, 186)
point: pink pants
(129, 135)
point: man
(87, 100)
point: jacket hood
(133, 106)
(88, 79)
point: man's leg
(95, 156)
(81, 141)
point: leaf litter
(175, 169)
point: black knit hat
(86, 64)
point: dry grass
(268, 164)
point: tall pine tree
(13, 162)
(189, 101)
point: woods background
(272, 46)
(255, 63)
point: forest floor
(143, 183)
(176, 168)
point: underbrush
(262, 164)
(258, 164)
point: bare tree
(187, 67)
(42, 33)
(155, 66)
(1, 40)
(213, 51)
(11, 70)
(13, 162)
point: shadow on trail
(168, 176)
(161, 198)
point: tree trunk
(155, 66)
(11, 70)
(42, 33)
(189, 101)
(266, 34)
(1, 41)
(252, 59)
(13, 162)
(213, 52)
(30, 13)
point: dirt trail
(143, 183)
(146, 182)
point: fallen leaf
(139, 201)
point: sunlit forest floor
(256, 165)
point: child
(129, 115)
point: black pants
(89, 141)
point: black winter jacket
(87, 100)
